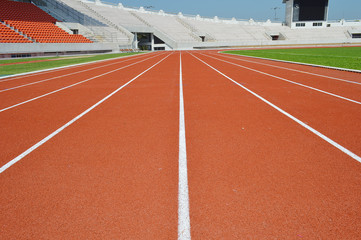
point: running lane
(256, 174)
(13, 92)
(332, 116)
(110, 175)
(315, 70)
(31, 77)
(343, 87)
(25, 125)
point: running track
(181, 145)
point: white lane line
(72, 85)
(286, 80)
(327, 139)
(37, 145)
(56, 69)
(69, 74)
(312, 55)
(184, 228)
(306, 64)
(290, 69)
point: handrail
(161, 34)
(82, 19)
(110, 23)
(189, 27)
(74, 14)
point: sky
(242, 9)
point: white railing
(72, 13)
(100, 34)
(190, 16)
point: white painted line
(290, 69)
(46, 139)
(72, 85)
(312, 55)
(184, 228)
(327, 139)
(86, 70)
(286, 80)
(44, 71)
(306, 64)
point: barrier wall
(8, 48)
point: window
(356, 35)
(275, 37)
(300, 24)
(157, 40)
(159, 48)
(317, 24)
(20, 55)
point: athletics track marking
(327, 139)
(65, 75)
(46, 139)
(290, 69)
(286, 80)
(72, 85)
(183, 196)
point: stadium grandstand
(76, 26)
(122, 122)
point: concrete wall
(6, 48)
(268, 43)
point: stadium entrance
(149, 42)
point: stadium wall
(48, 48)
(215, 45)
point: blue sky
(242, 9)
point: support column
(135, 41)
(152, 41)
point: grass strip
(341, 57)
(53, 62)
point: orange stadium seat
(8, 35)
(35, 23)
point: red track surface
(253, 173)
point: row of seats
(8, 35)
(35, 23)
(10, 10)
(44, 32)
